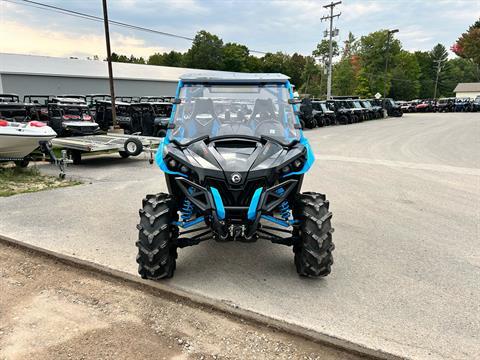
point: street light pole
(109, 61)
(330, 46)
(387, 57)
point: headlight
(175, 165)
(295, 165)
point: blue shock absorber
(187, 208)
(284, 207)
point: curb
(203, 301)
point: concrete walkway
(405, 194)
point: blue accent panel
(279, 221)
(218, 203)
(252, 208)
(187, 224)
(310, 158)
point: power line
(85, 16)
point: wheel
(22, 163)
(76, 157)
(133, 146)
(343, 120)
(302, 123)
(313, 249)
(157, 250)
(124, 154)
(311, 123)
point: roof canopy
(231, 77)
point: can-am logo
(236, 178)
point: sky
(265, 25)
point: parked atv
(71, 117)
(392, 108)
(344, 113)
(306, 115)
(360, 112)
(446, 105)
(234, 173)
(103, 114)
(374, 112)
(322, 113)
(149, 118)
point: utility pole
(387, 57)
(332, 32)
(439, 69)
(109, 61)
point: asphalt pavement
(405, 193)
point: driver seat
(203, 107)
(264, 109)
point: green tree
(405, 77)
(206, 52)
(344, 80)
(275, 62)
(294, 69)
(235, 57)
(322, 50)
(373, 50)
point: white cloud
(20, 38)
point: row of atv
(441, 105)
(317, 113)
(78, 115)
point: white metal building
(467, 90)
(44, 75)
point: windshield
(17, 113)
(219, 110)
(324, 107)
(357, 104)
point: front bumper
(225, 220)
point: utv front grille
(236, 195)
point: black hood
(222, 158)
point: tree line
(359, 70)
